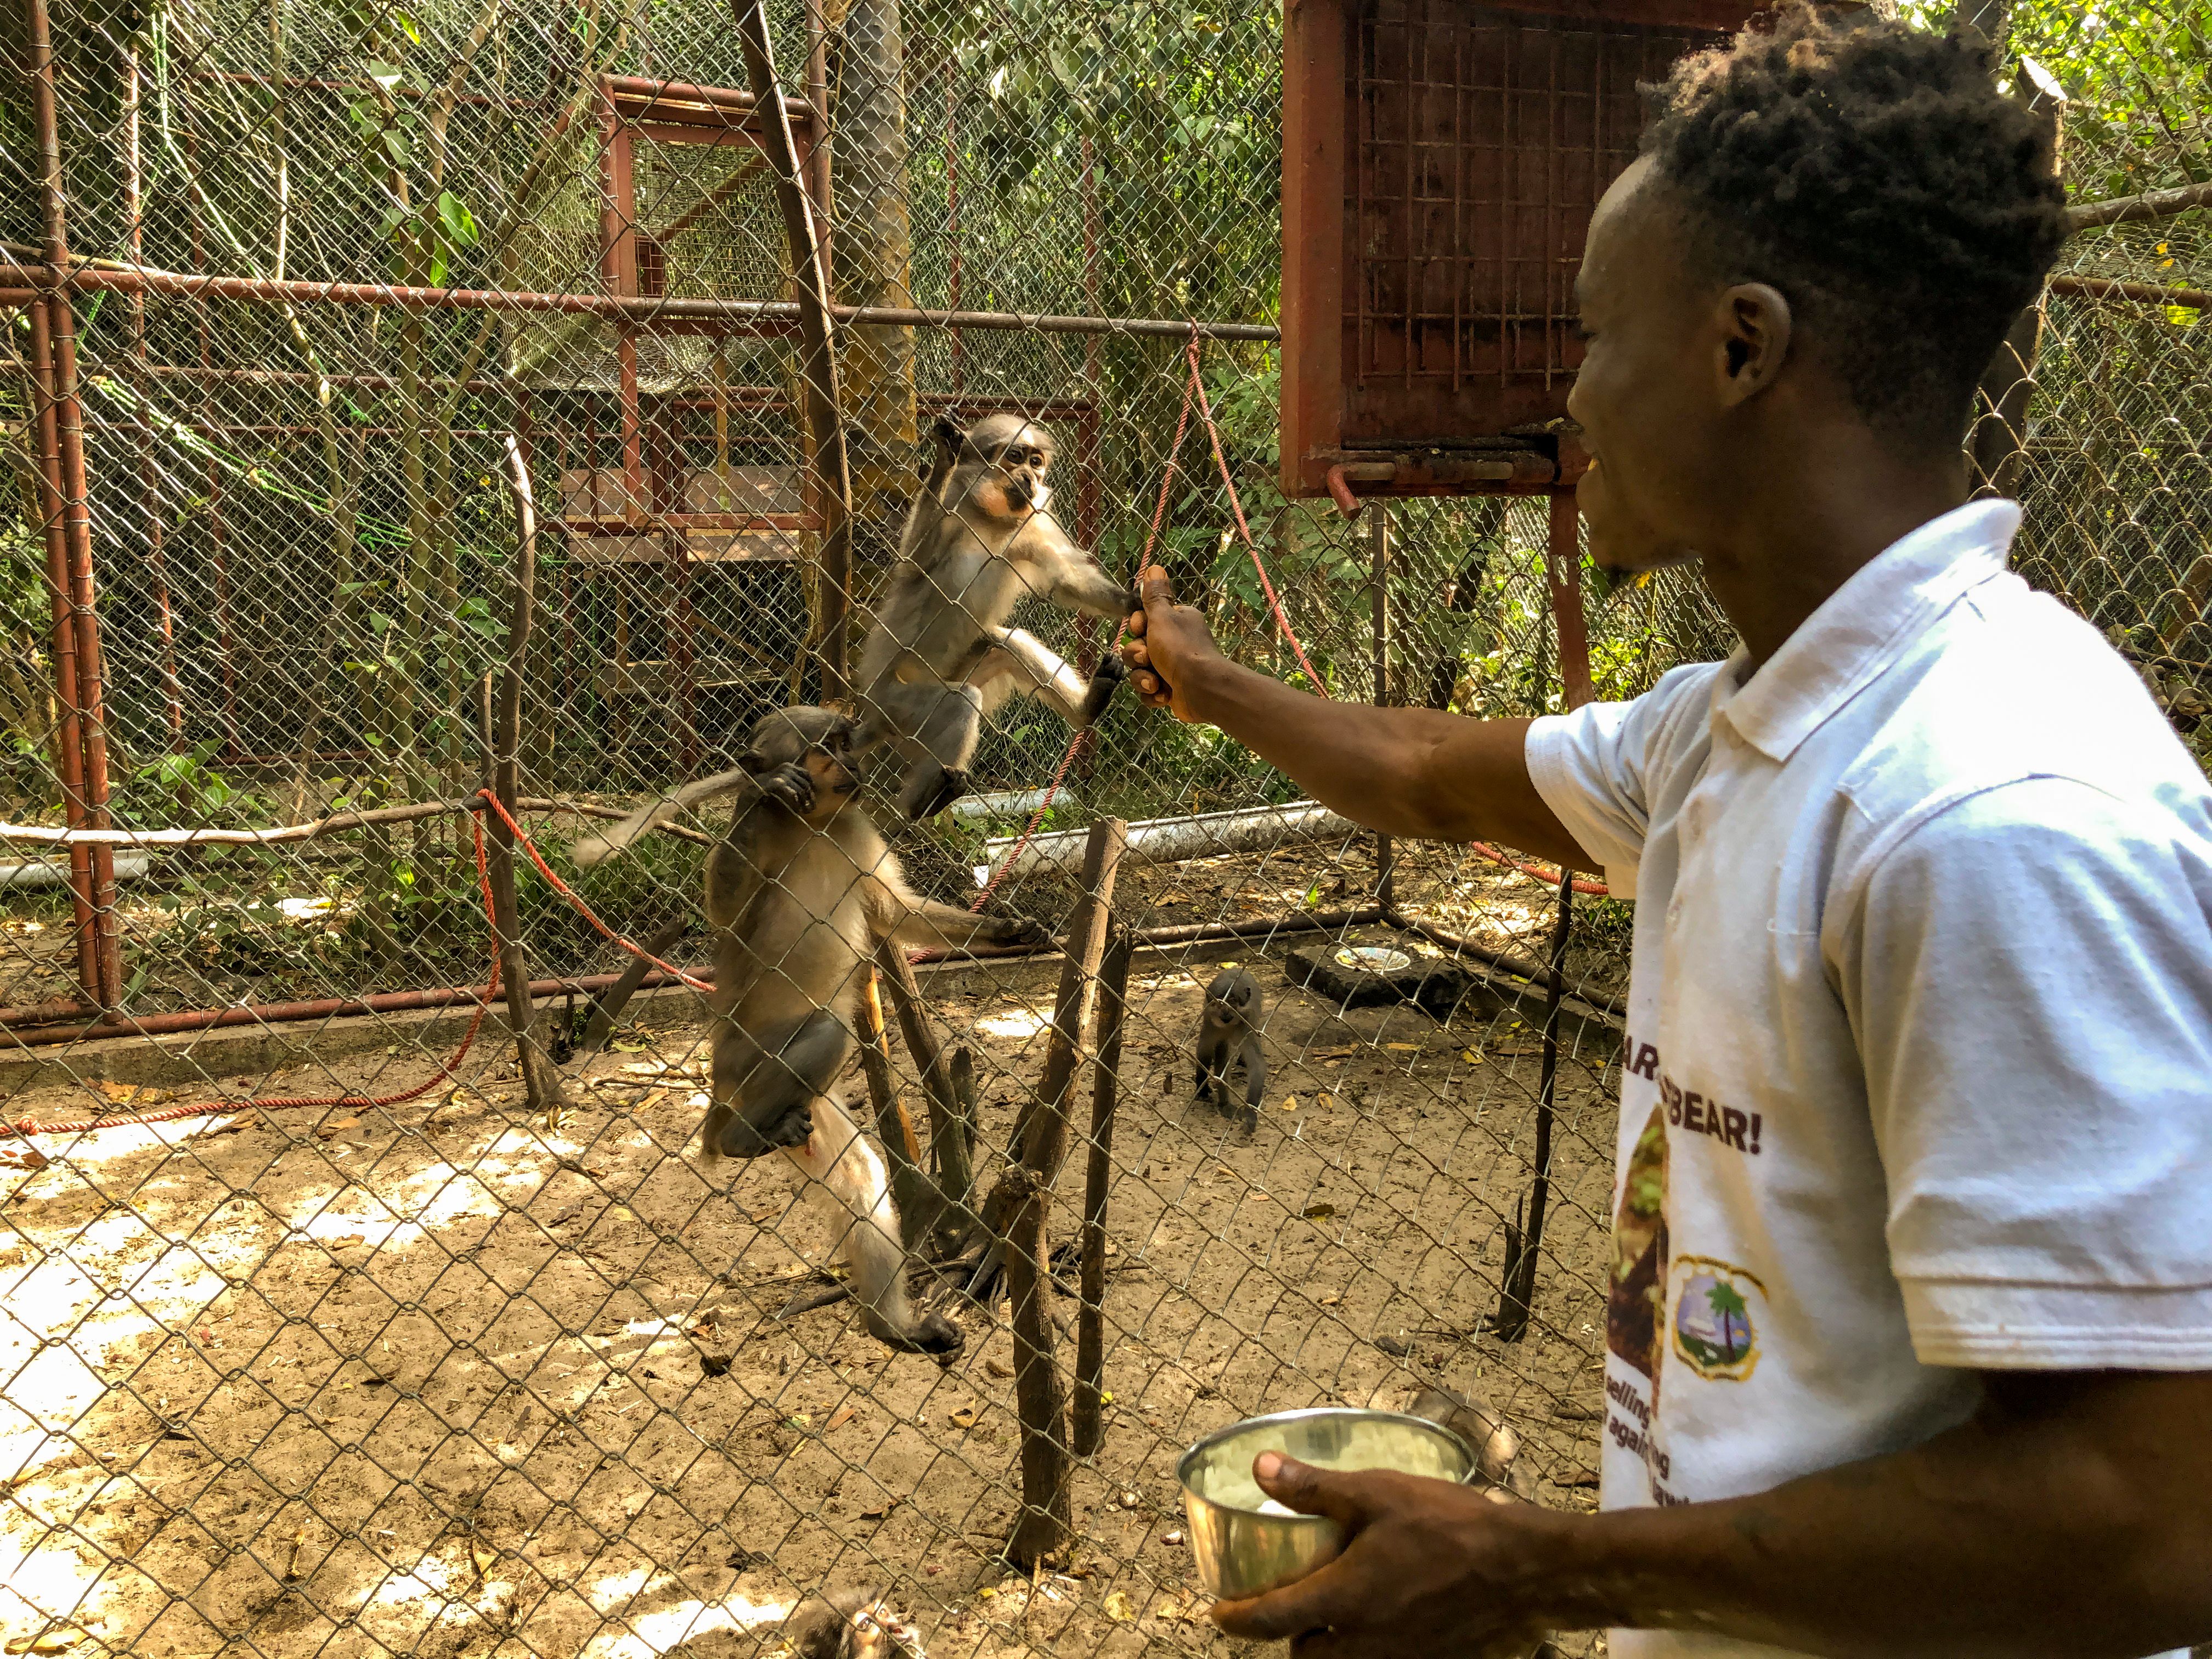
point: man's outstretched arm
(1411, 772)
(2072, 1517)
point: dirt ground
(447, 1379)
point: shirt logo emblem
(1717, 1308)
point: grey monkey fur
(800, 890)
(1228, 1033)
(850, 1624)
(980, 537)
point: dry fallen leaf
(52, 1641)
(1330, 1300)
(1318, 1211)
(962, 1419)
(882, 1510)
(1118, 1608)
(998, 1368)
(838, 1419)
(1290, 1102)
(1403, 1048)
(485, 1559)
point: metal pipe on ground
(1170, 840)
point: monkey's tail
(593, 849)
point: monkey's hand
(1166, 641)
(794, 1127)
(1018, 930)
(791, 784)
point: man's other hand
(1428, 1567)
(1166, 640)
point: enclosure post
(1386, 859)
(1517, 1294)
(1563, 570)
(541, 1080)
(69, 745)
(1523, 1239)
(77, 511)
(952, 216)
(1085, 1430)
(818, 361)
(910, 1188)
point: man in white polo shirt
(1909, 1312)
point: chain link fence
(439, 1363)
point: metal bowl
(1243, 1550)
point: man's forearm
(1410, 772)
(1993, 1538)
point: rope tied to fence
(1194, 387)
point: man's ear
(1756, 326)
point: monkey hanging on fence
(1228, 1033)
(980, 537)
(800, 892)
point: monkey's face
(1002, 475)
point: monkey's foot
(952, 783)
(928, 1333)
(1110, 673)
(739, 1138)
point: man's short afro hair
(1874, 174)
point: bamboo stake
(911, 1191)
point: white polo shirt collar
(1860, 628)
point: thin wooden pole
(541, 1080)
(818, 357)
(1022, 1196)
(1086, 1429)
(911, 1190)
(952, 1125)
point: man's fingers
(1308, 1490)
(1156, 588)
(1326, 1596)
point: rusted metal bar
(1085, 1430)
(70, 477)
(634, 308)
(289, 1013)
(69, 744)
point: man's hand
(1165, 640)
(1429, 1567)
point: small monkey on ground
(1228, 1033)
(980, 537)
(851, 1625)
(800, 890)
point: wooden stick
(607, 1010)
(541, 1078)
(1041, 1133)
(950, 1133)
(1047, 1521)
(825, 416)
(1087, 1432)
(911, 1190)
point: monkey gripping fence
(452, 1359)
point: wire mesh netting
(449, 1359)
